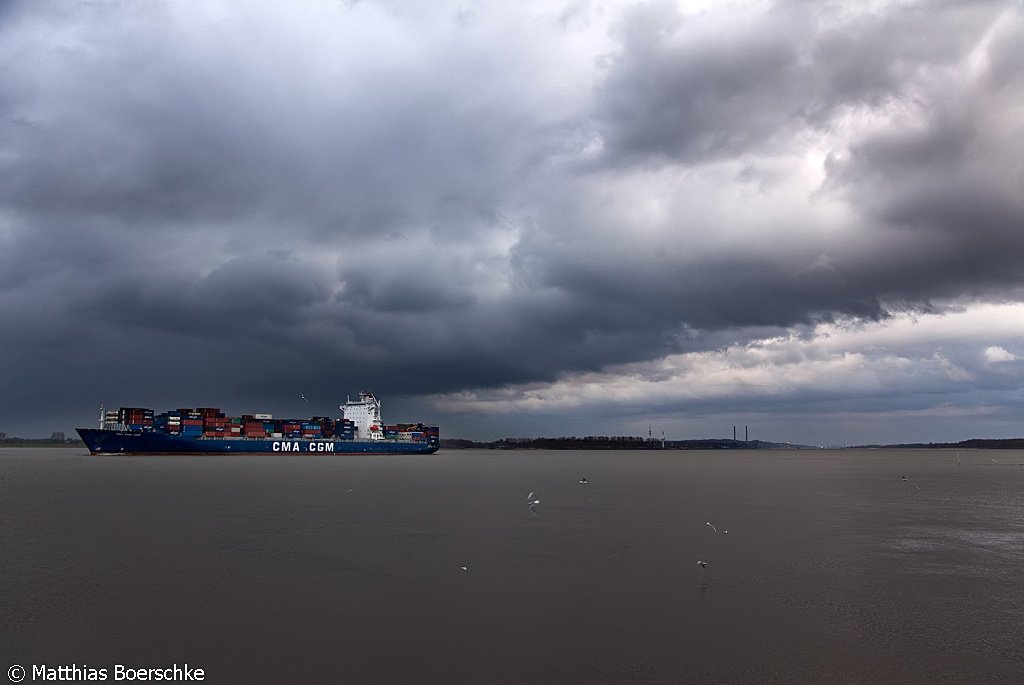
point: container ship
(206, 430)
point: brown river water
(348, 569)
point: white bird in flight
(702, 564)
(708, 523)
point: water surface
(311, 568)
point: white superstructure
(365, 414)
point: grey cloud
(686, 96)
(201, 203)
(412, 290)
(942, 198)
(938, 217)
(234, 301)
(648, 308)
(687, 89)
(176, 118)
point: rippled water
(348, 569)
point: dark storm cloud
(943, 191)
(236, 299)
(211, 204)
(678, 96)
(689, 88)
(727, 292)
(716, 85)
(938, 214)
(168, 118)
(166, 180)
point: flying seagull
(464, 568)
(708, 523)
(583, 481)
(532, 503)
(702, 564)
(303, 398)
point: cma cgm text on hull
(206, 430)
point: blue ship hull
(101, 441)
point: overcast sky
(527, 218)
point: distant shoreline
(635, 443)
(974, 443)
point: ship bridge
(365, 414)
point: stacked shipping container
(134, 418)
(211, 422)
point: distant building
(57, 436)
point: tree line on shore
(624, 442)
(618, 442)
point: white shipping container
(263, 416)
